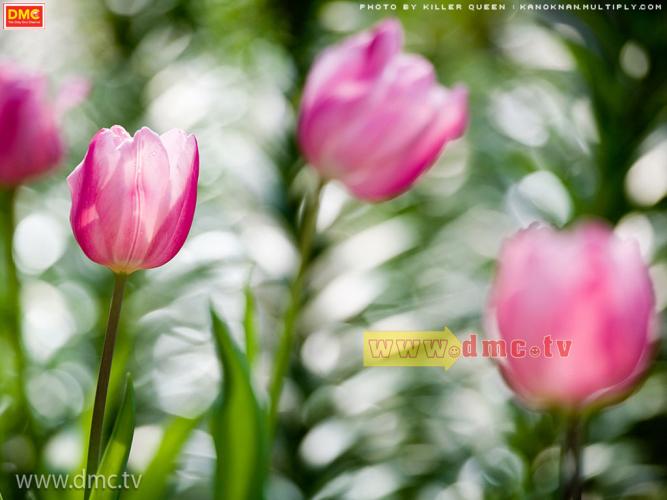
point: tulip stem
(307, 232)
(12, 305)
(571, 461)
(97, 423)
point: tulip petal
(360, 57)
(412, 146)
(171, 235)
(84, 217)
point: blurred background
(568, 120)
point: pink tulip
(30, 140)
(133, 198)
(376, 118)
(586, 286)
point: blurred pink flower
(133, 198)
(376, 118)
(587, 286)
(30, 139)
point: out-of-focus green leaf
(249, 326)
(117, 451)
(238, 426)
(155, 479)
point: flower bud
(374, 117)
(30, 140)
(586, 289)
(133, 198)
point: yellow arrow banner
(411, 348)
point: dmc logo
(22, 16)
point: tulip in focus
(30, 139)
(376, 118)
(587, 286)
(133, 198)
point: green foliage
(114, 459)
(238, 425)
(156, 478)
(250, 325)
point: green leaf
(249, 326)
(238, 427)
(117, 451)
(156, 477)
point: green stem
(12, 305)
(97, 423)
(284, 351)
(571, 461)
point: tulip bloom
(586, 286)
(133, 201)
(376, 118)
(30, 141)
(133, 198)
